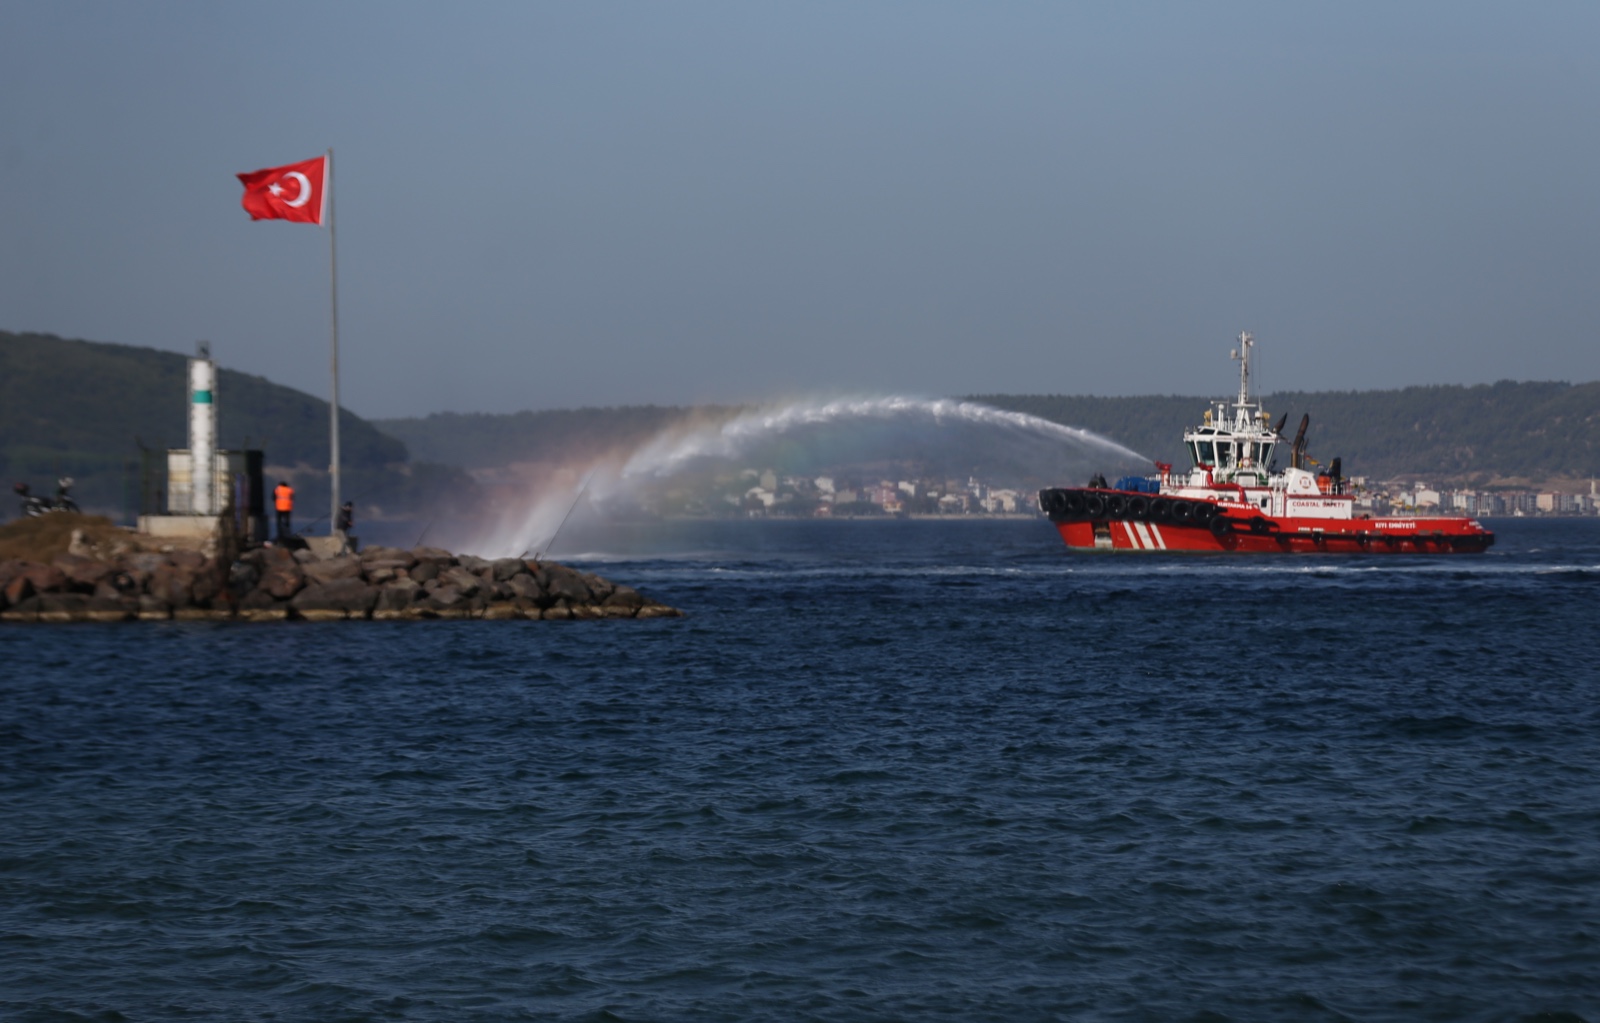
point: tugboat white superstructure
(1233, 499)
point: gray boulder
(506, 569)
(350, 595)
(24, 610)
(398, 595)
(144, 563)
(562, 583)
(191, 560)
(172, 584)
(345, 566)
(404, 559)
(625, 597)
(83, 574)
(258, 600)
(243, 576)
(444, 596)
(63, 607)
(462, 579)
(282, 579)
(153, 609)
(205, 586)
(40, 578)
(653, 610)
(17, 589)
(116, 587)
(599, 588)
(524, 587)
(381, 570)
(112, 609)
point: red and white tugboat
(1233, 499)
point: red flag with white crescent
(294, 191)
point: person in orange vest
(283, 500)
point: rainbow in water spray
(692, 443)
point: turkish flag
(292, 192)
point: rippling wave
(883, 771)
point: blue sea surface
(895, 770)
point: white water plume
(958, 437)
(671, 450)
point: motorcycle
(33, 505)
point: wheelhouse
(1235, 439)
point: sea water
(883, 770)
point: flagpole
(333, 406)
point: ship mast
(1242, 353)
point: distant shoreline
(919, 517)
(1008, 517)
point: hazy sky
(545, 205)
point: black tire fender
(1182, 511)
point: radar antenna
(1242, 353)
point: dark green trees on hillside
(83, 408)
(1503, 430)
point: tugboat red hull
(1166, 524)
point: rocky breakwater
(277, 584)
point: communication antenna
(1242, 354)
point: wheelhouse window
(1204, 453)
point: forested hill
(81, 408)
(1492, 431)
(1501, 431)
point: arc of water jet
(662, 456)
(681, 443)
